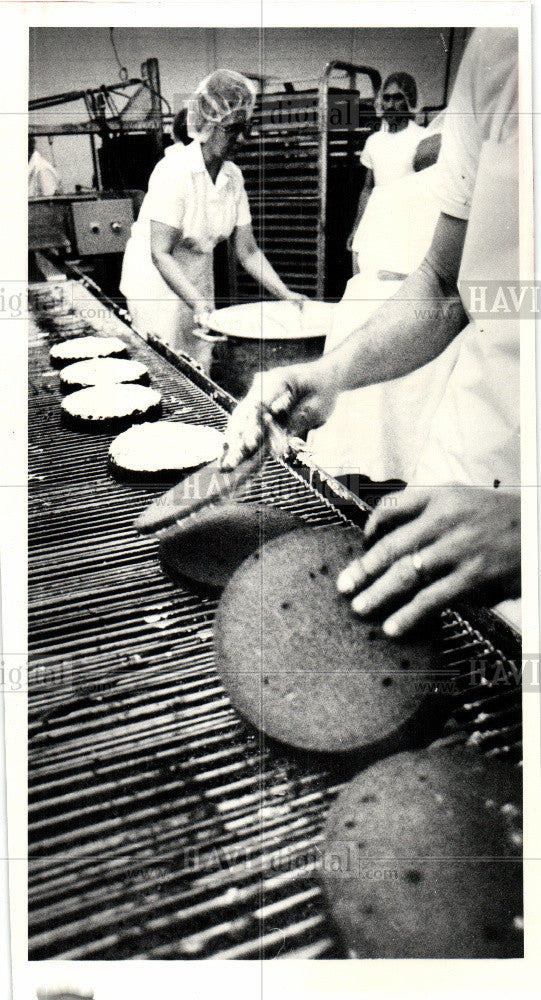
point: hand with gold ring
(430, 546)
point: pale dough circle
(109, 402)
(165, 445)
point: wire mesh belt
(160, 825)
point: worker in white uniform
(43, 179)
(399, 225)
(195, 199)
(455, 531)
(388, 154)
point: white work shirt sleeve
(244, 216)
(167, 191)
(366, 155)
(462, 137)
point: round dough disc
(165, 446)
(111, 402)
(211, 545)
(296, 660)
(81, 348)
(101, 371)
(422, 858)
(274, 320)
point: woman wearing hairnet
(195, 199)
(388, 154)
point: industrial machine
(161, 826)
(125, 144)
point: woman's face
(394, 104)
(227, 139)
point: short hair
(407, 85)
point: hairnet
(406, 84)
(223, 98)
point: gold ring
(418, 564)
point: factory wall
(64, 59)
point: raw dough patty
(165, 446)
(209, 546)
(422, 857)
(81, 348)
(111, 404)
(299, 664)
(101, 371)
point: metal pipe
(450, 43)
(353, 71)
(322, 159)
(151, 73)
(37, 103)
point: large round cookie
(105, 407)
(101, 371)
(296, 660)
(211, 545)
(422, 858)
(81, 348)
(164, 448)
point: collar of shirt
(198, 165)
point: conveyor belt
(160, 825)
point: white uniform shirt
(390, 155)
(182, 194)
(474, 436)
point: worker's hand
(201, 314)
(297, 397)
(296, 298)
(432, 546)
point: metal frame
(353, 72)
(96, 101)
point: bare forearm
(405, 333)
(259, 267)
(173, 275)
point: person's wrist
(333, 370)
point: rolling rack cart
(301, 172)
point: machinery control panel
(102, 226)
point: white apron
(380, 430)
(474, 436)
(163, 313)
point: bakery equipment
(257, 336)
(303, 177)
(161, 825)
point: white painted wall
(76, 58)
